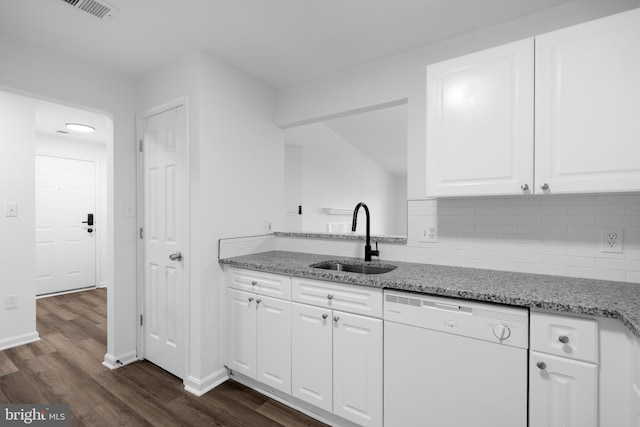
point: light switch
(10, 209)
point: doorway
(71, 199)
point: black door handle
(89, 220)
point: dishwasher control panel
(485, 321)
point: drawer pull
(253, 283)
(258, 301)
(324, 316)
(250, 299)
(330, 296)
(541, 365)
(563, 339)
(336, 318)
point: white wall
(49, 75)
(60, 146)
(237, 181)
(336, 174)
(403, 77)
(17, 244)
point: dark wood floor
(65, 367)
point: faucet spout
(367, 247)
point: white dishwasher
(454, 363)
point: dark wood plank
(65, 366)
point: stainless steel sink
(354, 268)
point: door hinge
(141, 233)
(141, 145)
(141, 319)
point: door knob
(176, 257)
(544, 186)
(524, 187)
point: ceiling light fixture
(78, 127)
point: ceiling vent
(99, 9)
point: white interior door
(164, 137)
(65, 246)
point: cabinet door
(311, 355)
(587, 106)
(357, 368)
(241, 338)
(274, 343)
(480, 122)
(562, 393)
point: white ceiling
(279, 42)
(51, 119)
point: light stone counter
(616, 300)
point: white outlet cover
(612, 240)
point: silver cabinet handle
(330, 296)
(176, 256)
(250, 299)
(563, 339)
(253, 283)
(258, 301)
(324, 316)
(541, 365)
(545, 186)
(336, 318)
(524, 187)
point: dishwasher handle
(447, 306)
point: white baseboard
(19, 340)
(115, 362)
(199, 387)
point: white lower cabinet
(259, 338)
(357, 368)
(563, 371)
(311, 355)
(337, 362)
(562, 392)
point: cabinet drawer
(273, 285)
(572, 337)
(353, 299)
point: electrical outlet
(10, 302)
(611, 240)
(428, 233)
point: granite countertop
(616, 300)
(343, 236)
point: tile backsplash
(559, 235)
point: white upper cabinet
(480, 122)
(588, 106)
(480, 114)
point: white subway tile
(616, 220)
(569, 220)
(542, 210)
(597, 210)
(497, 210)
(569, 261)
(519, 219)
(618, 199)
(566, 199)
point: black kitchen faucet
(367, 247)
